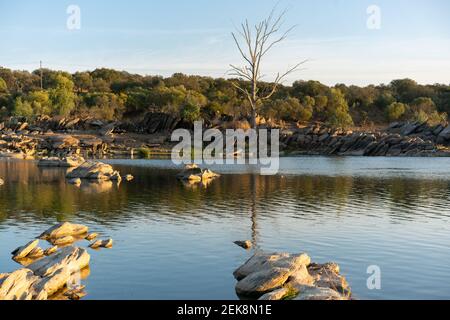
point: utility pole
(40, 69)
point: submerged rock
(290, 276)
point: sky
(158, 37)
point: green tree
(3, 86)
(22, 108)
(190, 112)
(337, 110)
(62, 96)
(395, 111)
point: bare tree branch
(258, 41)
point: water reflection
(179, 234)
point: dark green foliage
(114, 95)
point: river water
(174, 241)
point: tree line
(118, 95)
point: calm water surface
(174, 241)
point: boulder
(2, 182)
(23, 251)
(91, 236)
(444, 136)
(18, 285)
(129, 177)
(72, 258)
(63, 241)
(64, 229)
(92, 170)
(193, 173)
(244, 244)
(102, 244)
(285, 276)
(317, 293)
(62, 141)
(261, 282)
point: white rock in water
(2, 182)
(64, 229)
(129, 177)
(23, 251)
(92, 170)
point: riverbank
(97, 139)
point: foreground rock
(290, 276)
(45, 277)
(193, 173)
(52, 273)
(66, 162)
(93, 170)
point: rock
(72, 258)
(327, 275)
(76, 293)
(317, 293)
(62, 141)
(261, 282)
(18, 285)
(129, 177)
(91, 236)
(115, 176)
(195, 174)
(261, 261)
(50, 250)
(444, 136)
(75, 181)
(23, 251)
(67, 162)
(2, 182)
(92, 170)
(36, 253)
(108, 129)
(275, 295)
(63, 230)
(283, 276)
(63, 241)
(102, 244)
(244, 244)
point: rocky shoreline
(97, 139)
(399, 139)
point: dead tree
(253, 47)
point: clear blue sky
(193, 37)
